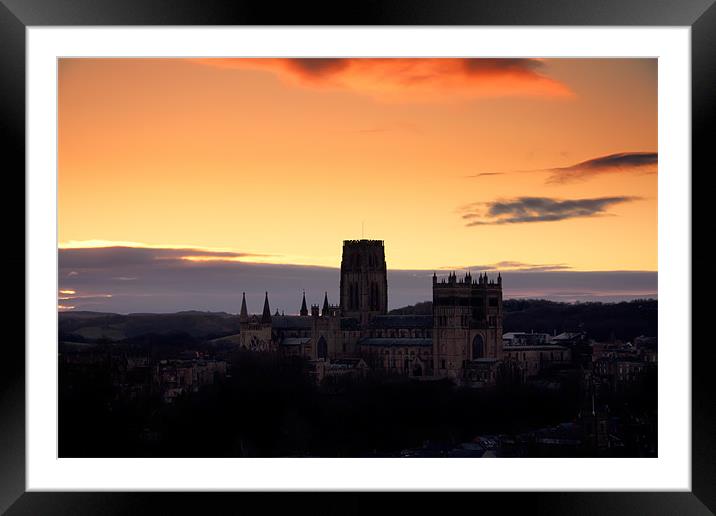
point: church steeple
(325, 305)
(244, 314)
(304, 308)
(266, 315)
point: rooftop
(363, 241)
(294, 322)
(397, 342)
(401, 321)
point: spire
(325, 305)
(304, 308)
(266, 315)
(244, 314)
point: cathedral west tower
(364, 280)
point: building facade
(467, 327)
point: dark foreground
(267, 406)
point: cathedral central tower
(364, 280)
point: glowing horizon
(452, 162)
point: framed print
(293, 251)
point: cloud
(172, 285)
(624, 162)
(536, 209)
(521, 266)
(410, 79)
(143, 279)
(124, 256)
(514, 266)
(487, 174)
(639, 162)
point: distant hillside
(424, 308)
(93, 326)
(601, 321)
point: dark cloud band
(113, 280)
(133, 256)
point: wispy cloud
(487, 174)
(624, 162)
(639, 162)
(536, 209)
(513, 266)
(411, 79)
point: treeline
(270, 407)
(601, 321)
(424, 308)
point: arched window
(478, 347)
(322, 348)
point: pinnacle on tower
(244, 314)
(266, 315)
(304, 308)
(325, 305)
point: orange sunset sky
(453, 162)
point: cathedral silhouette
(461, 340)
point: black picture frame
(16, 15)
